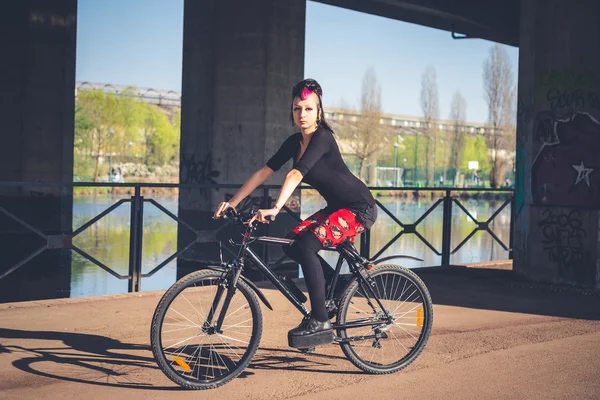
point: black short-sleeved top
(323, 168)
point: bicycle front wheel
(392, 338)
(186, 345)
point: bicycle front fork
(229, 283)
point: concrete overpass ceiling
(496, 20)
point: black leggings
(304, 251)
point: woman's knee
(303, 248)
(292, 252)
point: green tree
(131, 117)
(107, 123)
(82, 142)
(160, 137)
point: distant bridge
(159, 97)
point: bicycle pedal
(307, 350)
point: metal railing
(64, 240)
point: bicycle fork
(229, 282)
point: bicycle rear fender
(248, 282)
(396, 256)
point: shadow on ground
(504, 290)
(100, 360)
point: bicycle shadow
(86, 358)
(505, 290)
(294, 360)
(103, 361)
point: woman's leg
(304, 251)
(324, 228)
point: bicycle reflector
(420, 317)
(182, 364)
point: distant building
(405, 124)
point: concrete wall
(37, 77)
(240, 62)
(558, 142)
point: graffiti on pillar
(567, 89)
(566, 171)
(544, 131)
(198, 172)
(563, 238)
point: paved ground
(494, 337)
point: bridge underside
(496, 20)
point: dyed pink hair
(305, 93)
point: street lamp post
(415, 178)
(396, 163)
(110, 134)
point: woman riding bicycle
(350, 206)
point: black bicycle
(208, 325)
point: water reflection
(108, 239)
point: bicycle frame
(347, 252)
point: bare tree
(365, 136)
(498, 81)
(430, 107)
(458, 116)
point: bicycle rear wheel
(395, 342)
(189, 350)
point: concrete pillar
(37, 77)
(558, 142)
(240, 61)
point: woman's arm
(257, 179)
(292, 180)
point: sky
(139, 42)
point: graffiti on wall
(563, 236)
(566, 171)
(197, 172)
(566, 89)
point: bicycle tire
(426, 318)
(169, 297)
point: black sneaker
(310, 333)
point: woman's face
(305, 111)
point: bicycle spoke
(390, 342)
(207, 355)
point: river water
(108, 239)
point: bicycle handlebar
(241, 218)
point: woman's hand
(261, 215)
(221, 209)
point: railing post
(136, 230)
(511, 233)
(446, 229)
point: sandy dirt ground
(494, 337)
